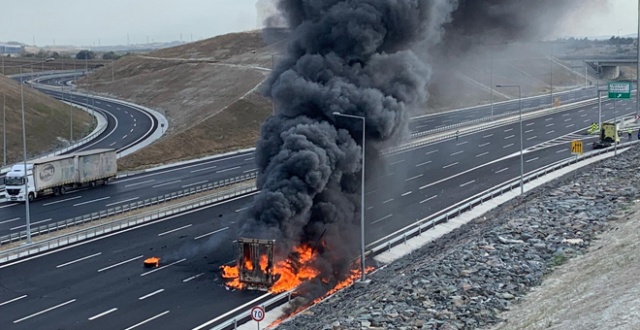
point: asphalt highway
(101, 284)
(156, 183)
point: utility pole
(24, 146)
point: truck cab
(14, 183)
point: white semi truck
(59, 174)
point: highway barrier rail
(125, 208)
(423, 225)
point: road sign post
(620, 90)
(576, 147)
(257, 314)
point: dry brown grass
(47, 121)
(599, 290)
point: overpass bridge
(607, 66)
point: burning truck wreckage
(353, 58)
(344, 57)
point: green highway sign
(620, 90)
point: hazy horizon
(120, 22)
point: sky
(108, 22)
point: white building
(6, 49)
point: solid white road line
(92, 201)
(44, 311)
(452, 164)
(204, 169)
(407, 193)
(482, 154)
(192, 278)
(123, 201)
(248, 159)
(382, 219)
(243, 307)
(10, 205)
(150, 294)
(457, 153)
(139, 183)
(467, 183)
(229, 169)
(10, 220)
(425, 163)
(119, 264)
(500, 171)
(532, 159)
(102, 314)
(251, 170)
(60, 201)
(33, 223)
(166, 183)
(174, 230)
(78, 260)
(12, 300)
(508, 146)
(195, 184)
(163, 267)
(147, 320)
(211, 233)
(413, 178)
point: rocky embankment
(466, 279)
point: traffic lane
(88, 200)
(449, 118)
(383, 219)
(127, 281)
(468, 151)
(132, 124)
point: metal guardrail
(129, 221)
(79, 220)
(427, 223)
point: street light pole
(362, 247)
(638, 67)
(24, 146)
(4, 129)
(521, 133)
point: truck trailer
(59, 174)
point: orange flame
(232, 273)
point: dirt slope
(47, 121)
(209, 91)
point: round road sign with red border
(257, 313)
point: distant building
(6, 49)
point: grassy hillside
(47, 121)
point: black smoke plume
(355, 57)
(344, 56)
